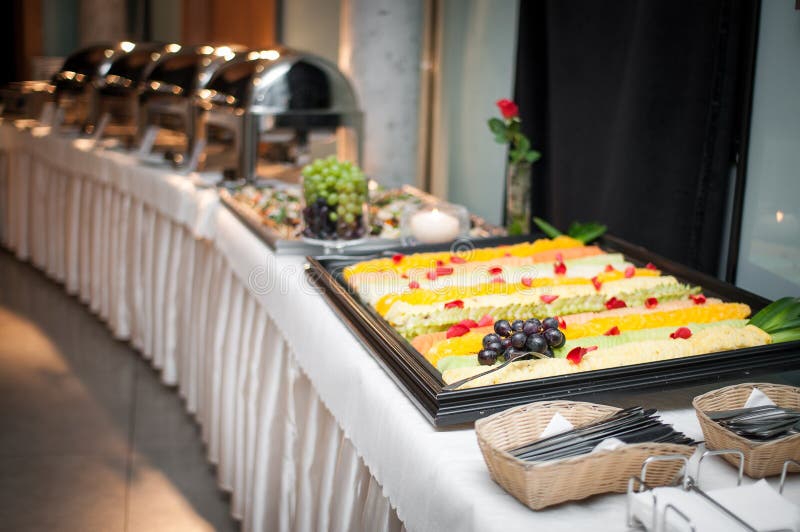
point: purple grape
(486, 357)
(503, 328)
(532, 326)
(490, 339)
(494, 346)
(505, 343)
(550, 323)
(517, 325)
(555, 338)
(536, 343)
(518, 340)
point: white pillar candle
(434, 226)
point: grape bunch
(335, 194)
(517, 337)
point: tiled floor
(89, 437)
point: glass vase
(518, 198)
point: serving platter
(423, 383)
(283, 245)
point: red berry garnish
(615, 303)
(597, 283)
(698, 299)
(469, 324)
(609, 268)
(526, 281)
(495, 270)
(561, 323)
(455, 259)
(630, 271)
(547, 299)
(413, 285)
(486, 321)
(651, 266)
(681, 332)
(560, 268)
(431, 275)
(457, 330)
(397, 258)
(613, 331)
(651, 302)
(457, 303)
(576, 355)
(439, 262)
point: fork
(455, 385)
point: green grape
(349, 218)
(307, 170)
(333, 216)
(341, 210)
(333, 198)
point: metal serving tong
(759, 423)
(455, 385)
(630, 425)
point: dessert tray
(272, 210)
(468, 333)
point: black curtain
(635, 106)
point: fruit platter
(467, 333)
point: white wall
(312, 26)
(476, 69)
(769, 256)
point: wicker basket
(542, 484)
(761, 459)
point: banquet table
(306, 429)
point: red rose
(508, 108)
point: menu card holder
(148, 139)
(194, 157)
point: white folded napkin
(559, 424)
(758, 398)
(758, 504)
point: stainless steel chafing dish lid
(189, 68)
(289, 85)
(89, 64)
(128, 72)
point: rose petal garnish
(457, 330)
(547, 299)
(559, 257)
(560, 268)
(498, 279)
(456, 303)
(526, 281)
(576, 355)
(413, 285)
(651, 302)
(651, 266)
(506, 254)
(609, 268)
(431, 275)
(439, 263)
(681, 332)
(397, 258)
(630, 271)
(444, 270)
(613, 331)
(597, 283)
(561, 323)
(455, 259)
(486, 321)
(469, 324)
(698, 299)
(615, 303)
(495, 270)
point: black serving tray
(423, 383)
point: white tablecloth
(307, 430)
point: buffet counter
(307, 431)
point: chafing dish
(25, 99)
(167, 99)
(272, 111)
(74, 89)
(117, 93)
